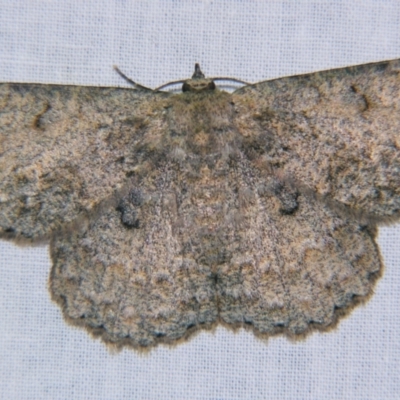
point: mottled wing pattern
(335, 133)
(218, 249)
(63, 149)
(257, 208)
(137, 284)
(296, 272)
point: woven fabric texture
(75, 42)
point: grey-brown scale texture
(171, 212)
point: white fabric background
(77, 42)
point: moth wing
(63, 149)
(335, 133)
(293, 272)
(152, 268)
(128, 278)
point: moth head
(198, 82)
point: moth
(168, 213)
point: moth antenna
(137, 85)
(198, 74)
(231, 79)
(168, 84)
